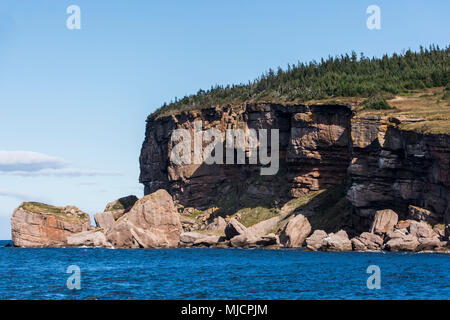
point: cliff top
(346, 77)
(424, 111)
(69, 213)
(421, 110)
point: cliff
(376, 160)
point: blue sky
(74, 102)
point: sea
(226, 274)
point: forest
(340, 76)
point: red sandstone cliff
(320, 146)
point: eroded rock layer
(320, 146)
(314, 149)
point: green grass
(196, 214)
(117, 206)
(252, 216)
(327, 210)
(219, 233)
(60, 212)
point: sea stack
(37, 225)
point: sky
(73, 102)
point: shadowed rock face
(113, 211)
(392, 168)
(319, 146)
(39, 225)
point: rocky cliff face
(314, 152)
(392, 168)
(320, 146)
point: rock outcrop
(295, 232)
(193, 239)
(314, 241)
(401, 241)
(384, 222)
(39, 225)
(92, 238)
(153, 222)
(367, 242)
(104, 220)
(241, 237)
(235, 228)
(338, 241)
(218, 223)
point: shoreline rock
(153, 222)
(35, 225)
(295, 232)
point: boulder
(427, 244)
(440, 232)
(404, 243)
(337, 242)
(188, 238)
(92, 238)
(153, 222)
(104, 220)
(234, 228)
(262, 228)
(384, 222)
(271, 240)
(218, 223)
(250, 241)
(295, 232)
(314, 242)
(401, 240)
(421, 230)
(367, 241)
(222, 244)
(36, 224)
(207, 240)
(240, 241)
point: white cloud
(11, 161)
(65, 172)
(31, 164)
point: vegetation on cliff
(342, 76)
(68, 213)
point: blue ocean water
(219, 274)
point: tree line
(340, 76)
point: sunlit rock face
(319, 146)
(39, 225)
(314, 153)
